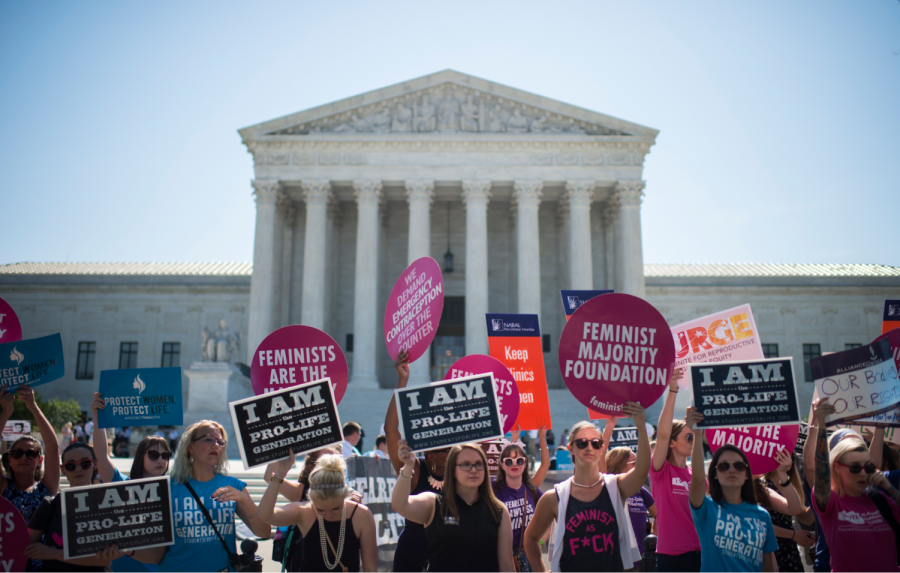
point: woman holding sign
(597, 533)
(151, 457)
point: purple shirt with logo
(519, 502)
(637, 510)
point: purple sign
(616, 348)
(298, 355)
(10, 328)
(414, 309)
(504, 384)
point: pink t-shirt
(671, 488)
(858, 536)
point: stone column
(579, 195)
(629, 195)
(262, 287)
(317, 194)
(476, 195)
(610, 215)
(288, 214)
(527, 197)
(365, 306)
(419, 195)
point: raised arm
(876, 448)
(51, 446)
(392, 420)
(245, 508)
(105, 467)
(538, 477)
(630, 482)
(7, 402)
(291, 490)
(809, 448)
(607, 435)
(664, 427)
(417, 508)
(786, 501)
(268, 513)
(698, 479)
(822, 409)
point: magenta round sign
(504, 384)
(759, 443)
(295, 355)
(414, 309)
(616, 348)
(13, 537)
(10, 328)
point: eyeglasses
(856, 468)
(508, 462)
(85, 464)
(582, 443)
(18, 453)
(154, 455)
(467, 467)
(209, 441)
(725, 466)
(690, 438)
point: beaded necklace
(323, 538)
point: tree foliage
(58, 411)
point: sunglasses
(582, 443)
(690, 438)
(85, 465)
(154, 455)
(467, 467)
(725, 466)
(508, 462)
(856, 468)
(30, 454)
(209, 440)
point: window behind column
(810, 351)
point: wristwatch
(277, 479)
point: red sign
(296, 355)
(13, 537)
(616, 348)
(505, 387)
(10, 327)
(759, 443)
(414, 309)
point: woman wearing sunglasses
(593, 531)
(619, 461)
(515, 489)
(735, 533)
(854, 521)
(467, 528)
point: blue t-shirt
(196, 546)
(128, 564)
(733, 537)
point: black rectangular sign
(624, 437)
(447, 413)
(747, 393)
(135, 514)
(301, 418)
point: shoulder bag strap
(884, 508)
(208, 518)
(328, 539)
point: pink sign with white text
(759, 443)
(296, 355)
(414, 309)
(504, 385)
(10, 327)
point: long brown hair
(500, 482)
(748, 490)
(485, 491)
(617, 459)
(309, 464)
(137, 466)
(678, 426)
(38, 471)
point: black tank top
(312, 546)
(410, 552)
(469, 545)
(591, 541)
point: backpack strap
(884, 509)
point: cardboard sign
(141, 397)
(13, 537)
(492, 449)
(504, 386)
(860, 383)
(374, 479)
(624, 437)
(15, 429)
(295, 355)
(727, 335)
(573, 299)
(616, 349)
(564, 461)
(135, 514)
(752, 393)
(10, 327)
(31, 362)
(759, 444)
(891, 418)
(447, 413)
(299, 419)
(891, 318)
(515, 340)
(414, 309)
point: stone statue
(356, 123)
(425, 120)
(493, 123)
(517, 123)
(541, 125)
(381, 121)
(471, 115)
(449, 113)
(402, 119)
(222, 345)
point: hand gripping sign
(616, 348)
(759, 443)
(296, 355)
(504, 386)
(10, 327)
(414, 309)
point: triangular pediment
(447, 102)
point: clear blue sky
(778, 120)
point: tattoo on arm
(823, 470)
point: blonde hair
(584, 424)
(845, 446)
(327, 479)
(181, 465)
(617, 459)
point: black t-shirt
(467, 545)
(48, 518)
(591, 541)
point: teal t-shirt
(127, 564)
(196, 546)
(733, 537)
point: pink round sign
(13, 537)
(414, 309)
(504, 384)
(616, 348)
(10, 328)
(893, 337)
(295, 355)
(759, 443)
